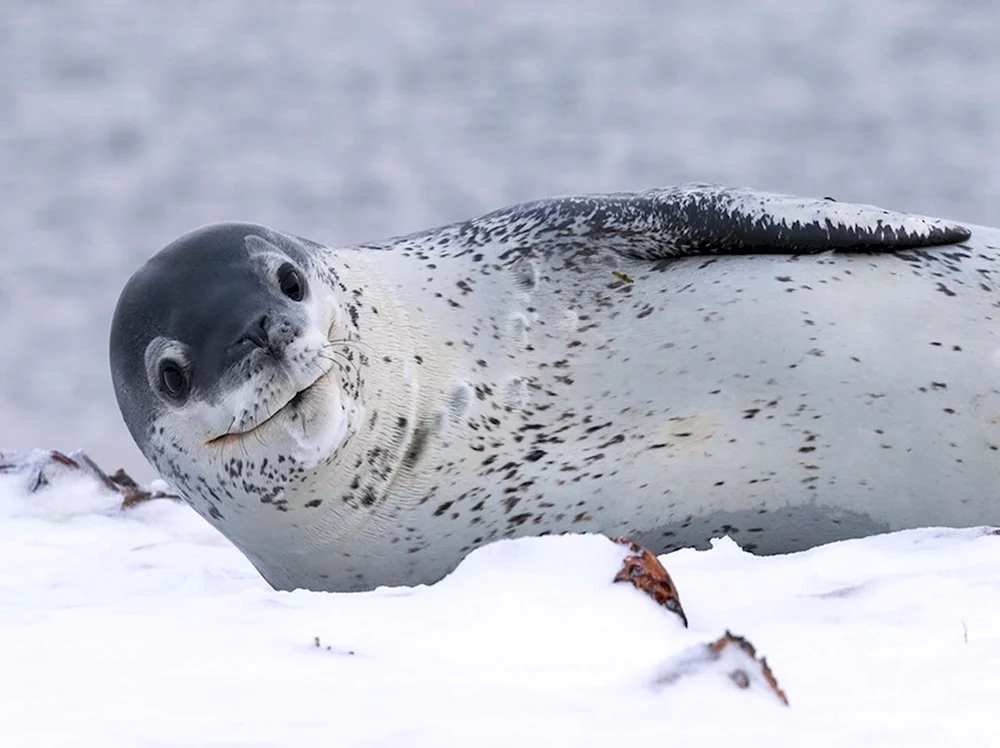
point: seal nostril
(256, 332)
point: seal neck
(367, 476)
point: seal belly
(845, 393)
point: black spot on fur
(418, 444)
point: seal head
(224, 336)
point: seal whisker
(347, 366)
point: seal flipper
(708, 219)
(695, 219)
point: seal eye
(173, 380)
(291, 282)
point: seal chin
(291, 406)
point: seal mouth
(292, 402)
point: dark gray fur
(681, 221)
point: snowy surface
(146, 628)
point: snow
(144, 627)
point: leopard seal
(671, 365)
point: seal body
(672, 365)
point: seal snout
(256, 334)
(272, 334)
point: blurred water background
(124, 124)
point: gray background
(125, 123)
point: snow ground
(146, 628)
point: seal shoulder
(689, 219)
